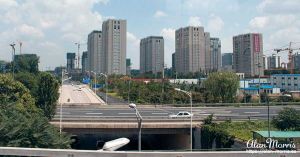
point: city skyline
(50, 29)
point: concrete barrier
(80, 153)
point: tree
(222, 86)
(15, 92)
(287, 119)
(47, 94)
(23, 129)
(29, 80)
(27, 63)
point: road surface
(79, 94)
(123, 112)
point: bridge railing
(88, 153)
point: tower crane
(290, 53)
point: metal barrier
(85, 153)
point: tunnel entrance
(152, 139)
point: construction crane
(290, 51)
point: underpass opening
(152, 139)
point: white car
(182, 114)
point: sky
(50, 28)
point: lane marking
(93, 113)
(160, 113)
(64, 113)
(126, 113)
(251, 112)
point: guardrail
(16, 151)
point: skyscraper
(95, 54)
(173, 62)
(152, 54)
(296, 61)
(114, 46)
(226, 59)
(70, 61)
(128, 66)
(273, 62)
(190, 49)
(215, 59)
(84, 61)
(248, 54)
(207, 51)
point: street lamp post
(106, 84)
(191, 123)
(95, 81)
(129, 89)
(61, 91)
(139, 119)
(13, 58)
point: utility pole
(13, 58)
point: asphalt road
(83, 96)
(78, 94)
(220, 113)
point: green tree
(29, 80)
(47, 94)
(27, 63)
(222, 86)
(15, 92)
(287, 119)
(23, 129)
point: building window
(282, 78)
(295, 78)
(289, 84)
(289, 78)
(274, 78)
(274, 84)
(295, 84)
(283, 84)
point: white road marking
(160, 113)
(93, 113)
(63, 113)
(252, 112)
(126, 113)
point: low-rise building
(287, 82)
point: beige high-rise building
(248, 54)
(190, 50)
(152, 54)
(114, 46)
(95, 55)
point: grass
(243, 130)
(113, 94)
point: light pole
(139, 119)
(129, 89)
(62, 82)
(191, 127)
(95, 81)
(106, 84)
(13, 58)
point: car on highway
(181, 114)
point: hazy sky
(51, 27)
